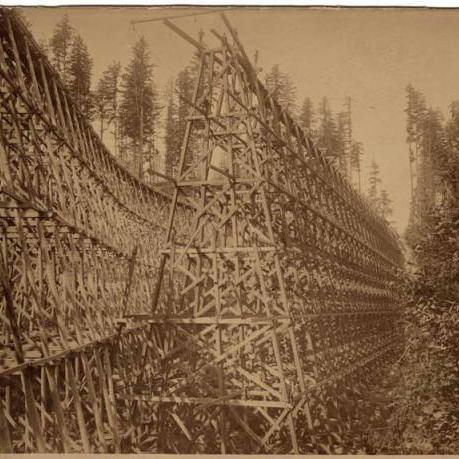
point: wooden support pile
(251, 322)
(283, 299)
(70, 218)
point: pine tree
(451, 141)
(374, 181)
(431, 135)
(184, 88)
(356, 161)
(178, 97)
(106, 100)
(429, 164)
(139, 107)
(385, 204)
(306, 117)
(79, 76)
(328, 136)
(60, 44)
(416, 111)
(100, 108)
(342, 143)
(281, 87)
(448, 160)
(170, 138)
(345, 131)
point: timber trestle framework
(250, 322)
(70, 221)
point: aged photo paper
(229, 230)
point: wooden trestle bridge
(245, 312)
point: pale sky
(369, 55)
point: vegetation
(60, 44)
(282, 88)
(385, 203)
(125, 109)
(179, 96)
(124, 103)
(71, 59)
(355, 161)
(306, 117)
(106, 101)
(79, 78)
(424, 386)
(139, 107)
(374, 180)
(170, 139)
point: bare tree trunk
(140, 150)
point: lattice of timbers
(230, 377)
(284, 291)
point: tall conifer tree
(282, 88)
(356, 162)
(328, 135)
(60, 44)
(106, 100)
(306, 117)
(374, 180)
(79, 75)
(170, 138)
(385, 204)
(139, 107)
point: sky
(369, 55)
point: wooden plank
(60, 423)
(78, 407)
(209, 401)
(95, 405)
(32, 414)
(6, 445)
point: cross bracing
(244, 313)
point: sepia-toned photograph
(229, 230)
